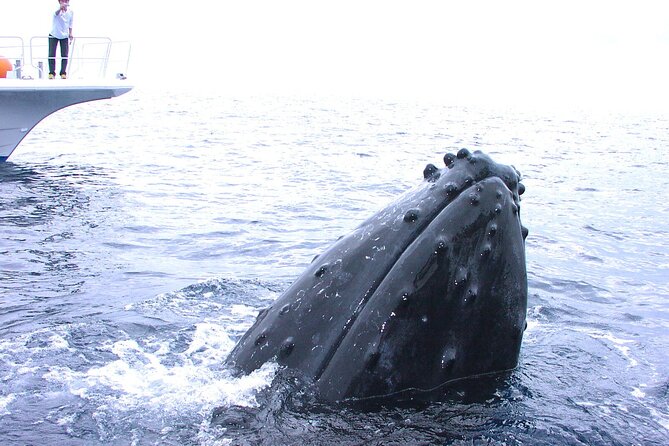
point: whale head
(430, 290)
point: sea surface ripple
(140, 237)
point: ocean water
(140, 237)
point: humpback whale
(429, 291)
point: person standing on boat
(61, 34)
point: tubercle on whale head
(430, 171)
(475, 166)
(466, 168)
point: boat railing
(12, 50)
(89, 57)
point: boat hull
(24, 103)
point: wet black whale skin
(431, 289)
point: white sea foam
(533, 326)
(619, 344)
(153, 378)
(5, 401)
(244, 317)
(638, 393)
(21, 355)
(243, 310)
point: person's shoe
(52, 76)
(63, 76)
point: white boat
(96, 70)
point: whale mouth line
(417, 390)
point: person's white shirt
(62, 22)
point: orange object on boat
(5, 66)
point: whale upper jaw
(432, 288)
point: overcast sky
(608, 53)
